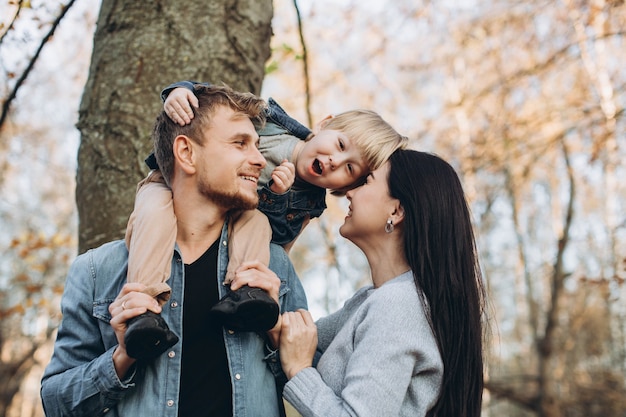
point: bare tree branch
(17, 13)
(31, 64)
(541, 66)
(522, 398)
(545, 344)
(305, 67)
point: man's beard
(230, 201)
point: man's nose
(258, 158)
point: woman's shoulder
(398, 302)
(402, 286)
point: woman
(410, 344)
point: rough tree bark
(140, 47)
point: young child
(301, 165)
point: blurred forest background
(524, 97)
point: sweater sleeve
(329, 326)
(394, 364)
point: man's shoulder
(99, 272)
(291, 292)
(281, 264)
(109, 254)
(278, 257)
(115, 246)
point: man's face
(231, 163)
(330, 160)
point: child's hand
(283, 176)
(178, 105)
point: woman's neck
(386, 262)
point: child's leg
(151, 236)
(249, 236)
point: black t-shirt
(205, 388)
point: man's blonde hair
(374, 137)
(209, 99)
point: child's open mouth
(317, 167)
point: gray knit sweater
(379, 358)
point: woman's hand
(298, 341)
(178, 104)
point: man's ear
(321, 124)
(184, 154)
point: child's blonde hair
(374, 137)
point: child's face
(330, 160)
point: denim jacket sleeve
(80, 379)
(184, 84)
(277, 115)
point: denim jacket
(80, 379)
(286, 212)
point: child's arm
(189, 85)
(178, 108)
(178, 105)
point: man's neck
(199, 225)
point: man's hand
(178, 105)
(130, 302)
(256, 274)
(283, 176)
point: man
(212, 166)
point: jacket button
(170, 403)
(237, 376)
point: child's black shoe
(247, 309)
(147, 336)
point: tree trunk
(139, 48)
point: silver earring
(389, 226)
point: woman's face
(370, 207)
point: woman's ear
(321, 124)
(184, 154)
(397, 215)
